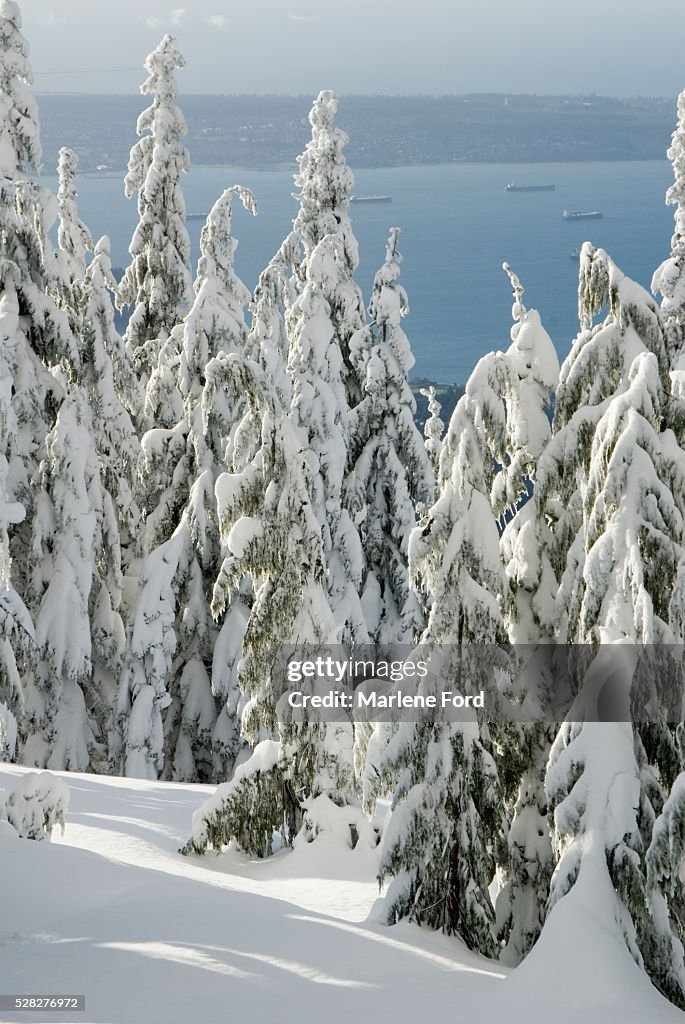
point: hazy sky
(611, 47)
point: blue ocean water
(458, 226)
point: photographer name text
(361, 700)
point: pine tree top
(20, 151)
(676, 193)
(161, 63)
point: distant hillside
(385, 131)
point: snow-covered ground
(112, 910)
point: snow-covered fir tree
(19, 135)
(19, 152)
(107, 379)
(105, 368)
(535, 372)
(320, 409)
(325, 184)
(594, 784)
(114, 395)
(665, 859)
(41, 340)
(175, 448)
(487, 460)
(391, 472)
(82, 496)
(68, 717)
(158, 281)
(100, 288)
(526, 603)
(179, 694)
(271, 533)
(433, 427)
(596, 370)
(669, 278)
(633, 502)
(274, 293)
(17, 638)
(625, 352)
(447, 816)
(16, 627)
(325, 312)
(73, 237)
(35, 804)
(611, 481)
(633, 529)
(316, 310)
(42, 336)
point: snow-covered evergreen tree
(73, 237)
(105, 368)
(41, 337)
(16, 628)
(597, 370)
(224, 436)
(391, 471)
(527, 601)
(83, 508)
(611, 481)
(36, 803)
(665, 861)
(620, 361)
(41, 340)
(633, 531)
(106, 378)
(325, 184)
(449, 773)
(158, 281)
(669, 278)
(633, 505)
(62, 704)
(272, 535)
(168, 702)
(594, 784)
(269, 338)
(100, 287)
(19, 135)
(433, 427)
(114, 395)
(176, 449)
(531, 589)
(319, 408)
(447, 816)
(325, 311)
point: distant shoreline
(580, 97)
(292, 168)
(268, 132)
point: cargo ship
(370, 199)
(513, 187)
(578, 215)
